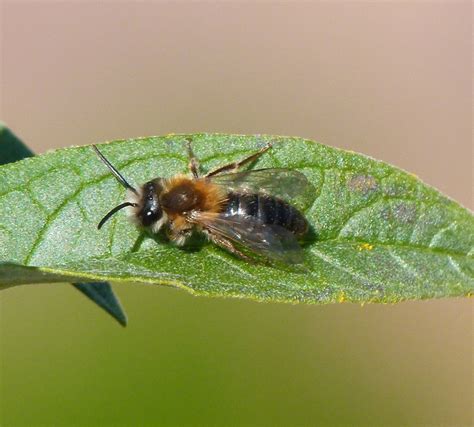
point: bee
(244, 212)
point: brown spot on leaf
(405, 212)
(364, 184)
(401, 212)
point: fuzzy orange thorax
(182, 194)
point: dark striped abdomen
(267, 209)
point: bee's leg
(193, 164)
(227, 245)
(236, 165)
(179, 235)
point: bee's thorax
(171, 201)
(182, 195)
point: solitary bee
(243, 212)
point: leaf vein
(436, 237)
(410, 269)
(458, 269)
(333, 263)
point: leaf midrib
(387, 246)
(54, 214)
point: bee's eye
(151, 210)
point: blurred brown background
(391, 80)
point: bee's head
(146, 210)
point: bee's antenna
(113, 211)
(115, 172)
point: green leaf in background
(379, 234)
(11, 150)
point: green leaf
(103, 295)
(11, 150)
(379, 234)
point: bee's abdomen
(267, 209)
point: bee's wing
(271, 241)
(286, 184)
